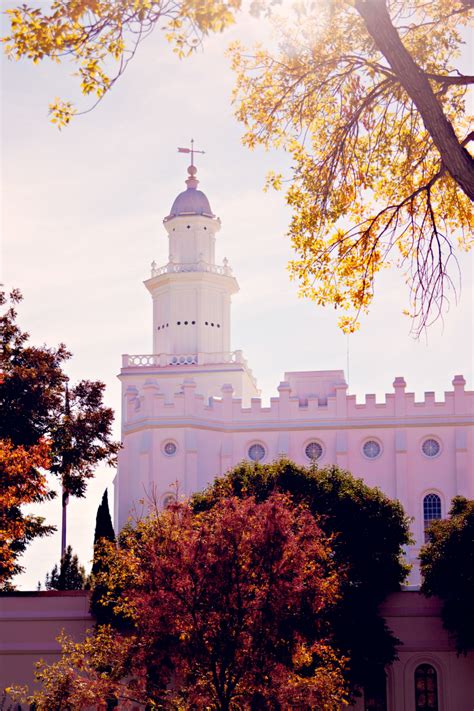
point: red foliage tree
(22, 481)
(218, 610)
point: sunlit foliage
(366, 95)
(22, 481)
(369, 185)
(101, 36)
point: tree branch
(462, 79)
(454, 156)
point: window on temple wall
(169, 448)
(313, 451)
(431, 511)
(431, 447)
(256, 452)
(426, 688)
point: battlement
(319, 396)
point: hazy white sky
(81, 222)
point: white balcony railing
(175, 268)
(164, 360)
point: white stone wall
(211, 435)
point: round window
(371, 449)
(256, 452)
(169, 448)
(313, 451)
(430, 447)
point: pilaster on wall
(341, 450)
(401, 469)
(464, 465)
(191, 462)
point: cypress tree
(103, 530)
(103, 521)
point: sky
(81, 221)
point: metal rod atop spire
(191, 150)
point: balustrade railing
(201, 266)
(164, 360)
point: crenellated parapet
(146, 401)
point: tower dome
(191, 201)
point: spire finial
(192, 181)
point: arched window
(426, 688)
(431, 511)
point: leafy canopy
(368, 99)
(366, 95)
(447, 567)
(224, 609)
(367, 531)
(42, 430)
(22, 481)
(102, 36)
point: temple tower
(191, 293)
(191, 361)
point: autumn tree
(69, 576)
(225, 609)
(44, 425)
(102, 36)
(22, 481)
(368, 533)
(366, 95)
(447, 567)
(368, 99)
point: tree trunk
(455, 158)
(65, 501)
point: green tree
(447, 567)
(70, 576)
(368, 532)
(72, 425)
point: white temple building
(191, 409)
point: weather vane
(191, 150)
